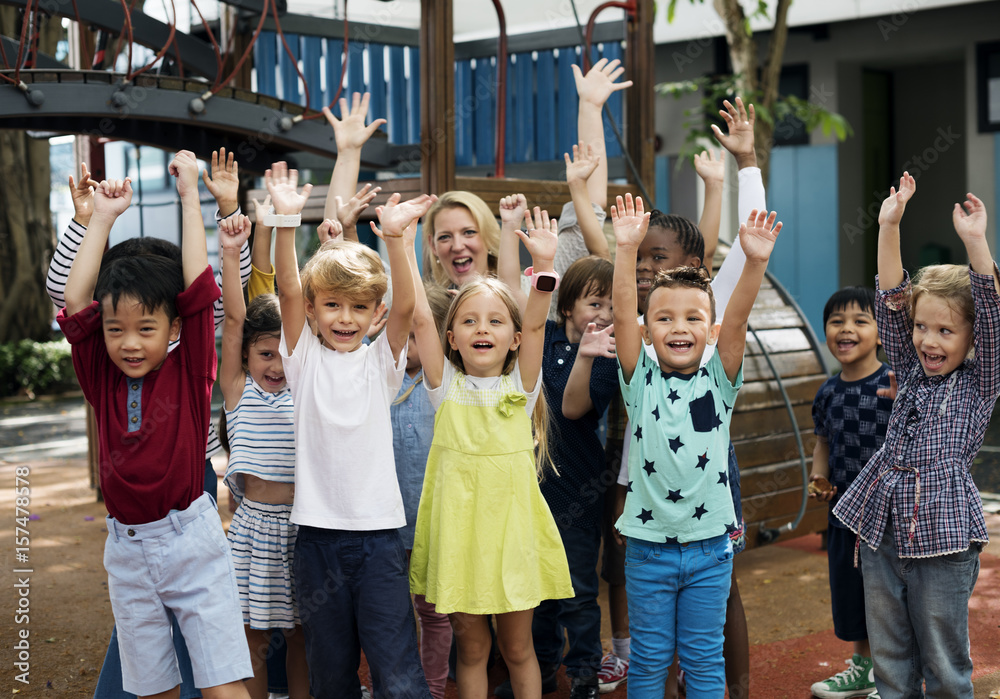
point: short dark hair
(588, 275)
(690, 239)
(263, 319)
(862, 296)
(133, 269)
(686, 278)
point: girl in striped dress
(259, 424)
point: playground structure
(489, 110)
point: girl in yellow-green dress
(486, 542)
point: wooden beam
(639, 99)
(437, 96)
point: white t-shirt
(345, 472)
(482, 383)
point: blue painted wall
(806, 259)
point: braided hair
(690, 239)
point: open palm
(758, 235)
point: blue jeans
(917, 611)
(109, 683)
(354, 595)
(677, 603)
(580, 616)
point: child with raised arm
(485, 541)
(679, 510)
(915, 507)
(152, 411)
(850, 419)
(261, 470)
(350, 564)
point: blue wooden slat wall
(312, 56)
(290, 87)
(806, 258)
(355, 69)
(484, 84)
(334, 64)
(414, 95)
(611, 51)
(567, 104)
(265, 57)
(463, 113)
(397, 95)
(545, 101)
(376, 83)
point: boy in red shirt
(166, 552)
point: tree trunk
(27, 239)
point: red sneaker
(613, 672)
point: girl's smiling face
(483, 333)
(941, 335)
(459, 246)
(264, 363)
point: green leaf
(671, 10)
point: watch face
(545, 282)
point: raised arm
(348, 214)
(540, 239)
(512, 210)
(82, 193)
(594, 89)
(595, 343)
(757, 236)
(579, 171)
(282, 185)
(111, 199)
(971, 228)
(712, 172)
(350, 133)
(630, 224)
(425, 331)
(260, 256)
(233, 232)
(224, 182)
(194, 254)
(890, 263)
(397, 220)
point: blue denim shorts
(181, 563)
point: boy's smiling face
(679, 326)
(137, 338)
(342, 320)
(852, 335)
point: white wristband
(282, 220)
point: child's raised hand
(233, 232)
(112, 197)
(512, 210)
(329, 230)
(597, 85)
(349, 213)
(890, 392)
(629, 220)
(379, 319)
(971, 227)
(895, 204)
(83, 195)
(184, 167)
(709, 168)
(396, 217)
(739, 124)
(261, 209)
(282, 184)
(583, 163)
(597, 343)
(541, 236)
(758, 235)
(350, 131)
(224, 184)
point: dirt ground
(69, 617)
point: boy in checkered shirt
(915, 504)
(850, 419)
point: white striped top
(261, 429)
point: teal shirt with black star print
(678, 465)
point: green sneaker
(858, 680)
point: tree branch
(775, 55)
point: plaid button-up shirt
(921, 476)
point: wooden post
(437, 96)
(640, 98)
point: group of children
(447, 447)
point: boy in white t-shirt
(350, 565)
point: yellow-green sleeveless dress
(486, 542)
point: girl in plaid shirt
(915, 504)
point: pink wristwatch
(543, 281)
